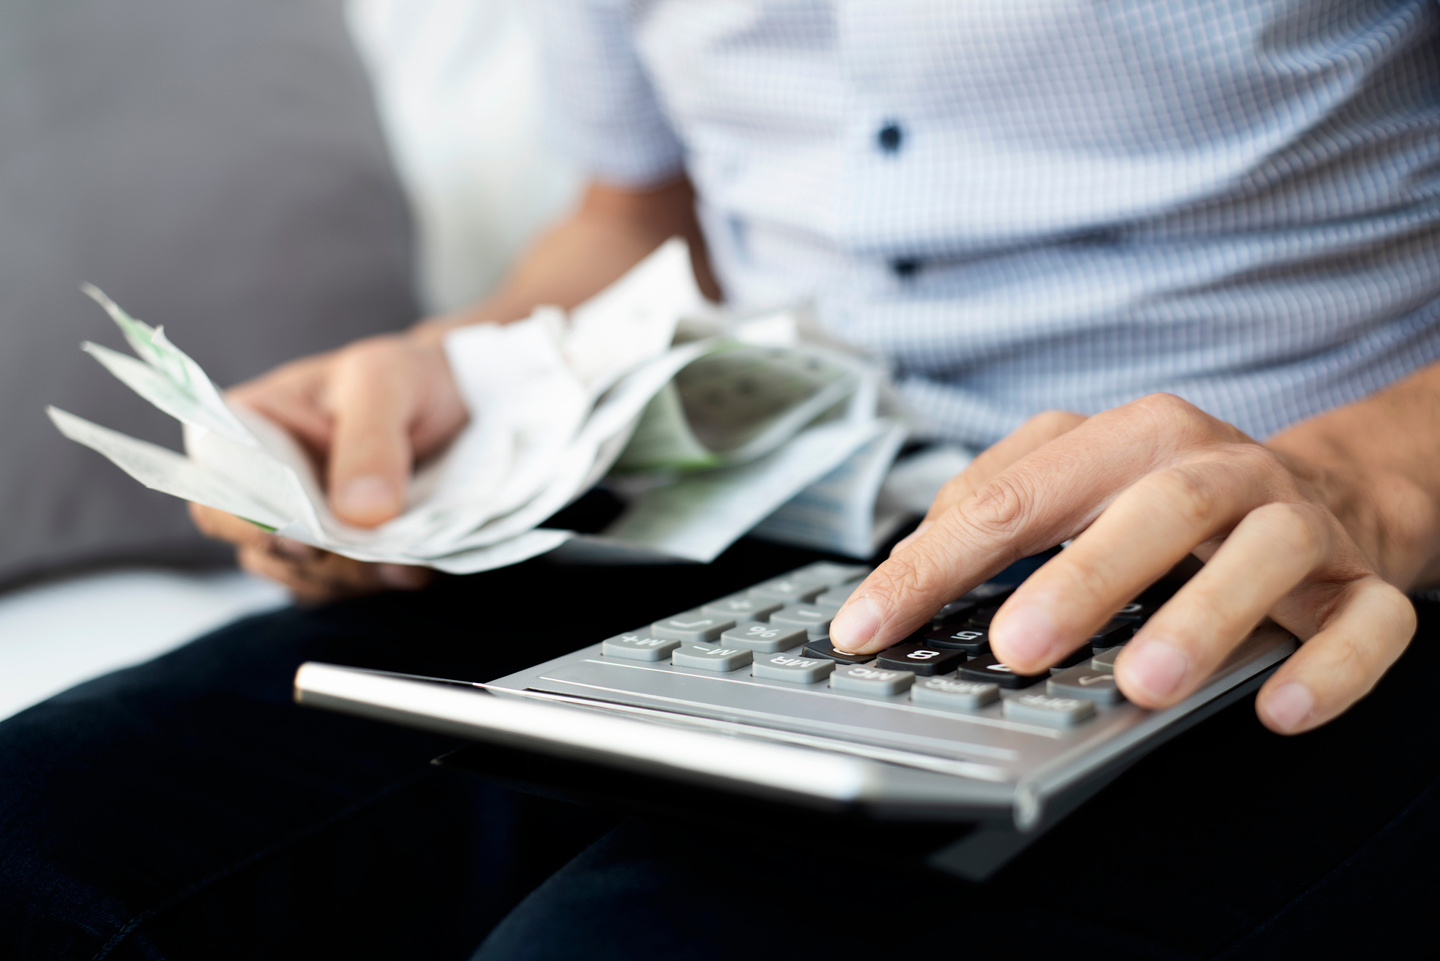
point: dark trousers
(186, 809)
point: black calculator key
(1137, 612)
(958, 612)
(1078, 656)
(1114, 634)
(821, 648)
(982, 616)
(988, 594)
(972, 640)
(988, 669)
(920, 658)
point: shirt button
(905, 267)
(890, 137)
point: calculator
(746, 695)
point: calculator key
(835, 598)
(1136, 612)
(988, 669)
(829, 574)
(692, 626)
(1078, 656)
(1084, 682)
(923, 660)
(957, 613)
(709, 657)
(953, 694)
(638, 645)
(742, 609)
(972, 640)
(1114, 634)
(815, 620)
(1047, 710)
(764, 638)
(870, 681)
(787, 590)
(982, 616)
(984, 595)
(1104, 662)
(820, 647)
(796, 670)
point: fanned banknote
(708, 422)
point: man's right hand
(366, 413)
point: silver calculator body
(734, 695)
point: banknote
(708, 421)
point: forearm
(610, 231)
(1379, 461)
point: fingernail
(294, 550)
(1156, 668)
(403, 577)
(1025, 634)
(924, 525)
(1289, 706)
(367, 497)
(855, 625)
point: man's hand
(1316, 548)
(366, 413)
(369, 411)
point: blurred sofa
(266, 180)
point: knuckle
(1168, 407)
(1053, 423)
(1170, 416)
(1400, 607)
(1187, 493)
(1294, 527)
(1000, 508)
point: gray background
(216, 167)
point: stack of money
(709, 423)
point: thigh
(186, 807)
(1229, 841)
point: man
(1175, 267)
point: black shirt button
(890, 137)
(905, 267)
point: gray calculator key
(829, 574)
(953, 694)
(638, 645)
(1104, 662)
(788, 667)
(870, 681)
(789, 590)
(711, 657)
(1047, 710)
(741, 608)
(764, 638)
(836, 597)
(1084, 682)
(815, 620)
(693, 626)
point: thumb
(373, 403)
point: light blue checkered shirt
(1032, 204)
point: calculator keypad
(778, 631)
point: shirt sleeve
(601, 110)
